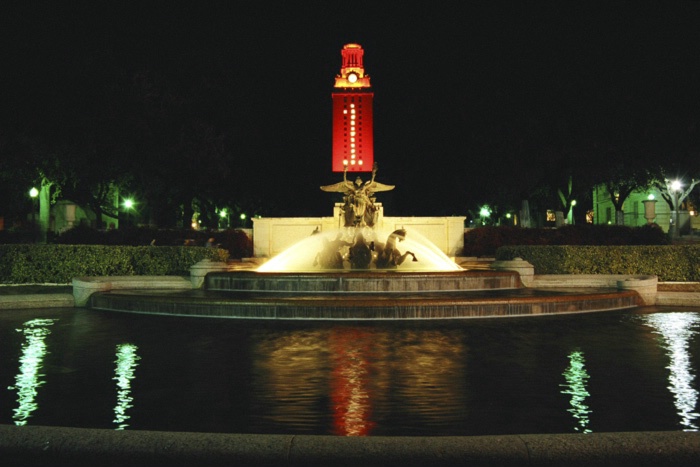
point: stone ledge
(83, 287)
(583, 280)
(63, 300)
(50, 446)
(678, 299)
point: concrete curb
(13, 302)
(39, 446)
(83, 287)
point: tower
(353, 127)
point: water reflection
(124, 373)
(31, 362)
(576, 380)
(676, 330)
(362, 373)
(350, 392)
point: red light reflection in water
(350, 391)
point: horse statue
(360, 253)
(388, 256)
(330, 257)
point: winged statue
(358, 208)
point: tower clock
(353, 132)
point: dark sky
(466, 93)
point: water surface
(611, 371)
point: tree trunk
(619, 217)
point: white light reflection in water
(31, 361)
(576, 379)
(124, 372)
(676, 329)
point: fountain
(360, 272)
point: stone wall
(272, 235)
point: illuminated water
(302, 255)
(612, 371)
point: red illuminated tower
(353, 133)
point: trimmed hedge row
(238, 244)
(484, 241)
(23, 264)
(678, 263)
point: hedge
(484, 241)
(677, 263)
(59, 264)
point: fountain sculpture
(359, 272)
(359, 244)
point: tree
(673, 192)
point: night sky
(469, 96)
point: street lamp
(674, 188)
(223, 216)
(128, 206)
(243, 217)
(484, 213)
(33, 193)
(570, 215)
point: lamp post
(128, 206)
(570, 215)
(674, 188)
(223, 218)
(484, 213)
(33, 194)
(243, 217)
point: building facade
(640, 208)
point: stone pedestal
(645, 286)
(649, 210)
(271, 236)
(519, 265)
(199, 270)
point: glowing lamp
(33, 192)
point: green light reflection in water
(31, 361)
(576, 379)
(676, 330)
(126, 361)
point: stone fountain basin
(384, 295)
(368, 282)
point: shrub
(484, 241)
(668, 262)
(21, 264)
(237, 242)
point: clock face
(352, 77)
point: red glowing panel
(353, 132)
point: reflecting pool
(612, 371)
